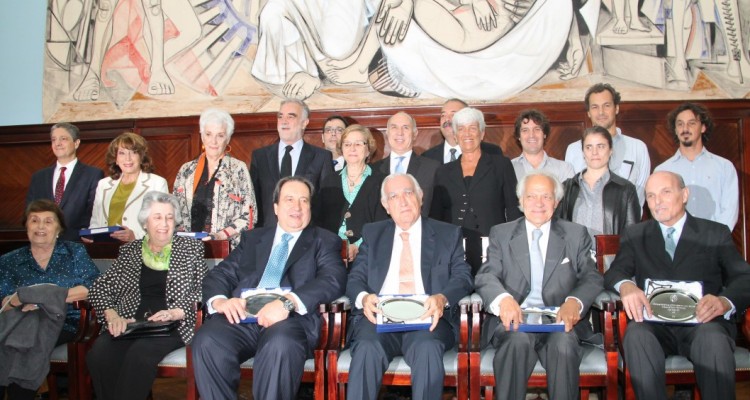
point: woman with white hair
(157, 278)
(215, 191)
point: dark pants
(710, 347)
(126, 369)
(560, 354)
(280, 352)
(422, 350)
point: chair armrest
(464, 306)
(476, 322)
(605, 301)
(341, 304)
(337, 320)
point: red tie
(60, 186)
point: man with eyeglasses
(406, 254)
(401, 131)
(332, 130)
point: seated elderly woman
(596, 198)
(351, 198)
(215, 191)
(118, 198)
(157, 278)
(44, 260)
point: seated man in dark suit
(291, 254)
(401, 131)
(679, 247)
(290, 156)
(70, 183)
(538, 261)
(406, 254)
(448, 150)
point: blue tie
(400, 165)
(534, 299)
(275, 267)
(669, 243)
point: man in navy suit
(290, 156)
(449, 150)
(435, 267)
(288, 329)
(77, 186)
(701, 250)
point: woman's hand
(223, 234)
(13, 299)
(116, 324)
(352, 251)
(124, 235)
(174, 314)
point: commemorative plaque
(256, 298)
(673, 305)
(401, 313)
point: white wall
(22, 30)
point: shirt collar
(677, 226)
(414, 228)
(530, 228)
(703, 152)
(406, 155)
(69, 166)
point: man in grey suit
(289, 156)
(387, 264)
(401, 132)
(525, 256)
(70, 183)
(701, 250)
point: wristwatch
(288, 304)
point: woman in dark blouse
(351, 198)
(46, 260)
(157, 278)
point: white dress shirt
(68, 170)
(394, 161)
(447, 152)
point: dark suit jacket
(705, 252)
(569, 267)
(443, 267)
(436, 152)
(314, 271)
(489, 200)
(77, 200)
(333, 207)
(422, 169)
(314, 163)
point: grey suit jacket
(422, 169)
(569, 268)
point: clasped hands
(434, 307)
(234, 310)
(116, 324)
(634, 302)
(511, 314)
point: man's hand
(484, 14)
(570, 313)
(710, 307)
(394, 17)
(352, 251)
(272, 313)
(634, 301)
(370, 307)
(434, 307)
(510, 313)
(233, 309)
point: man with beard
(712, 180)
(448, 150)
(630, 158)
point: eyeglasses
(406, 193)
(334, 130)
(356, 145)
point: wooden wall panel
(174, 141)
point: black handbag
(148, 329)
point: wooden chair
(678, 368)
(598, 369)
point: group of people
(405, 219)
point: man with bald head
(676, 246)
(401, 132)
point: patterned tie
(406, 270)
(453, 154)
(534, 299)
(400, 165)
(669, 243)
(286, 163)
(275, 268)
(60, 186)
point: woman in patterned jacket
(157, 278)
(214, 190)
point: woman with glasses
(332, 130)
(351, 198)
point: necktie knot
(453, 154)
(288, 149)
(405, 237)
(536, 234)
(286, 238)
(670, 232)
(400, 164)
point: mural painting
(152, 58)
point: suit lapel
(49, 183)
(140, 189)
(519, 246)
(654, 243)
(70, 191)
(305, 159)
(263, 250)
(483, 168)
(273, 161)
(303, 244)
(385, 166)
(107, 194)
(428, 254)
(555, 251)
(413, 165)
(382, 256)
(689, 235)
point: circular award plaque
(673, 305)
(400, 310)
(257, 301)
